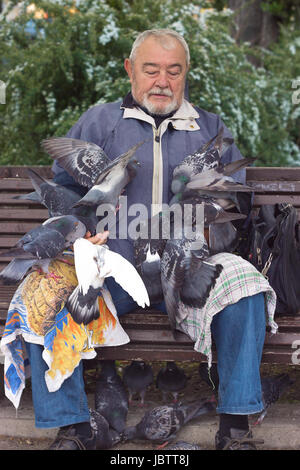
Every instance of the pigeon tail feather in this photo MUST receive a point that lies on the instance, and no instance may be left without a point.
(198, 285)
(83, 308)
(15, 271)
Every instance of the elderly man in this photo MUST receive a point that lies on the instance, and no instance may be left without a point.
(156, 111)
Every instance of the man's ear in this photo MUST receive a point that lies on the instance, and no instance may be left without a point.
(128, 68)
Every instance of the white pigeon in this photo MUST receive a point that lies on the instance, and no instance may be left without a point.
(93, 263)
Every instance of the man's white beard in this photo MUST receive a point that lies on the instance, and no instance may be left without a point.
(156, 109)
(153, 108)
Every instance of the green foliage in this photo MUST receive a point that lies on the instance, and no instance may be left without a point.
(287, 11)
(76, 61)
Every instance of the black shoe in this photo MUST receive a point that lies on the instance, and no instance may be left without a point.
(69, 439)
(239, 439)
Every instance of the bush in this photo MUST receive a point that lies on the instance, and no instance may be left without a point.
(75, 60)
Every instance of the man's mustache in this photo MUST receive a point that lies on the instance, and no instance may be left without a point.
(160, 91)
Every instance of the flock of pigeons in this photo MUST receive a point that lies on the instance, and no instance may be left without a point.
(161, 424)
(178, 259)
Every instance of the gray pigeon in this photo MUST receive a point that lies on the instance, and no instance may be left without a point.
(272, 389)
(205, 172)
(182, 445)
(162, 423)
(40, 245)
(93, 263)
(88, 164)
(106, 437)
(111, 397)
(187, 275)
(171, 379)
(206, 158)
(59, 200)
(148, 249)
(219, 178)
(223, 235)
(137, 377)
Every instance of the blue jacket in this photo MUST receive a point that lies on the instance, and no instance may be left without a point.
(116, 128)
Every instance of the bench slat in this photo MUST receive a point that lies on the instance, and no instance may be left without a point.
(17, 227)
(260, 199)
(275, 186)
(8, 200)
(19, 172)
(273, 173)
(14, 184)
(21, 214)
(8, 241)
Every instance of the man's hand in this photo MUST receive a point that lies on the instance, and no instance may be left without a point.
(98, 239)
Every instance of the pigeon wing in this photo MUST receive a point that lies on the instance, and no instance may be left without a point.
(82, 160)
(172, 277)
(16, 270)
(199, 281)
(121, 161)
(58, 199)
(83, 302)
(125, 274)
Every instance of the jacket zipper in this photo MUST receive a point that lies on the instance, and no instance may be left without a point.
(156, 186)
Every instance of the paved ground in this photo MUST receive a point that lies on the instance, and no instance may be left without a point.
(280, 429)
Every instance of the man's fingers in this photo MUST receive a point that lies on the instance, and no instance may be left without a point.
(99, 238)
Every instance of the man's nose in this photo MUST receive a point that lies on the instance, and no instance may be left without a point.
(162, 80)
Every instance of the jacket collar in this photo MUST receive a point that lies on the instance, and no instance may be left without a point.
(183, 119)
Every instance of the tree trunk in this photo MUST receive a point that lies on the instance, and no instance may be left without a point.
(252, 24)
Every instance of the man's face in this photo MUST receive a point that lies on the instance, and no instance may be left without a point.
(157, 75)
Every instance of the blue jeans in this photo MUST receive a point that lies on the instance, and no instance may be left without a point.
(239, 334)
(238, 331)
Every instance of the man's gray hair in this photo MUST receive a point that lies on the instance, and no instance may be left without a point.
(160, 35)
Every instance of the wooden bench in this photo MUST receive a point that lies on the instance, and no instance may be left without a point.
(149, 332)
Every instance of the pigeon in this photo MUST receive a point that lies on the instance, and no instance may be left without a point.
(203, 159)
(137, 377)
(106, 437)
(162, 423)
(93, 263)
(40, 245)
(205, 172)
(223, 235)
(88, 164)
(148, 249)
(157, 231)
(171, 378)
(187, 275)
(272, 389)
(149, 270)
(182, 445)
(219, 178)
(111, 398)
(59, 200)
